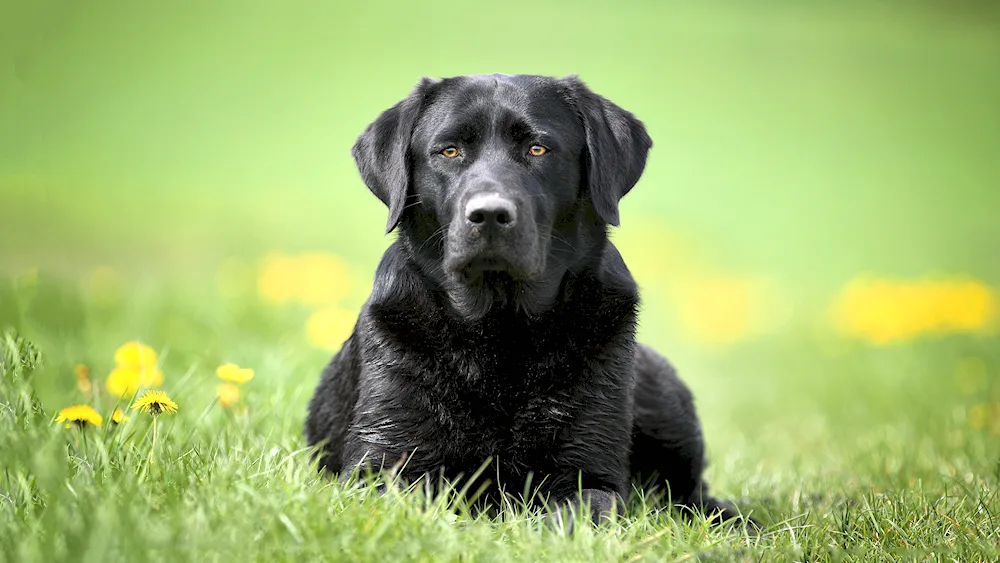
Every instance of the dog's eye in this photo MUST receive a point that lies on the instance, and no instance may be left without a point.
(537, 150)
(450, 152)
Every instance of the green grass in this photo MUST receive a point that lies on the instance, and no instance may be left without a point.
(846, 453)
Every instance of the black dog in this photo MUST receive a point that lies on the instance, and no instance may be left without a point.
(501, 325)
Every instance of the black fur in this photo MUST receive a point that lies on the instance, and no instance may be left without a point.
(511, 340)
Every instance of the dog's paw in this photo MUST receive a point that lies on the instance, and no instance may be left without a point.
(603, 507)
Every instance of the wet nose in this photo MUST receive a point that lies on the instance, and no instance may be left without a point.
(491, 211)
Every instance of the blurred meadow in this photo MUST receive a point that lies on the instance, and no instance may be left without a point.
(815, 235)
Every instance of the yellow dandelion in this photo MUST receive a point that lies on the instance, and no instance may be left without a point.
(125, 381)
(81, 415)
(136, 367)
(119, 417)
(312, 278)
(81, 371)
(155, 402)
(322, 278)
(136, 355)
(329, 327)
(234, 373)
(723, 309)
(884, 311)
(276, 279)
(654, 252)
(83, 382)
(228, 394)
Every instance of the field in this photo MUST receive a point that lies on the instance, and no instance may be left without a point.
(815, 237)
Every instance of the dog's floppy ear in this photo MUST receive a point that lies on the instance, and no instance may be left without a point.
(617, 145)
(382, 152)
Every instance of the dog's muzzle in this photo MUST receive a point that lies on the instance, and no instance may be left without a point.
(492, 232)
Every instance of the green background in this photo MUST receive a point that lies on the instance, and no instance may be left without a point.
(812, 140)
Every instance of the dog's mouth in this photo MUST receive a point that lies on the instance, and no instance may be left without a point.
(476, 267)
(467, 264)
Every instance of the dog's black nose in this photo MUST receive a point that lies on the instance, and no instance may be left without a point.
(491, 210)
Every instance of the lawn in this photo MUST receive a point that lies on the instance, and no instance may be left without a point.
(846, 452)
(815, 238)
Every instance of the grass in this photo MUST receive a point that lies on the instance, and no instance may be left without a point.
(848, 453)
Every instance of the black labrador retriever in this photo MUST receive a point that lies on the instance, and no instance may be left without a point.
(501, 325)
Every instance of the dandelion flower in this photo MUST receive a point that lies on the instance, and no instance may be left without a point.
(228, 394)
(81, 415)
(136, 368)
(884, 311)
(155, 403)
(329, 327)
(83, 382)
(118, 417)
(125, 381)
(312, 278)
(276, 281)
(135, 354)
(234, 374)
(322, 278)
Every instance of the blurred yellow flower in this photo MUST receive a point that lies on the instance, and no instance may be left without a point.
(125, 381)
(883, 311)
(118, 417)
(655, 253)
(83, 382)
(228, 394)
(135, 354)
(718, 310)
(722, 309)
(324, 279)
(81, 415)
(276, 279)
(312, 278)
(136, 369)
(234, 373)
(329, 327)
(155, 402)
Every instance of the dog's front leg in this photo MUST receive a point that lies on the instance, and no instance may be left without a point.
(601, 505)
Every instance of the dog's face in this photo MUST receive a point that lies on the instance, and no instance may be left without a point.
(500, 184)
(498, 161)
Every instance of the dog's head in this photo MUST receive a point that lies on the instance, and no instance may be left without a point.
(501, 184)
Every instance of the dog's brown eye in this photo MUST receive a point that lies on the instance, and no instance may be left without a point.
(537, 150)
(450, 152)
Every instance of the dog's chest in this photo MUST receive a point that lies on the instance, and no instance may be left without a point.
(507, 390)
(512, 399)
